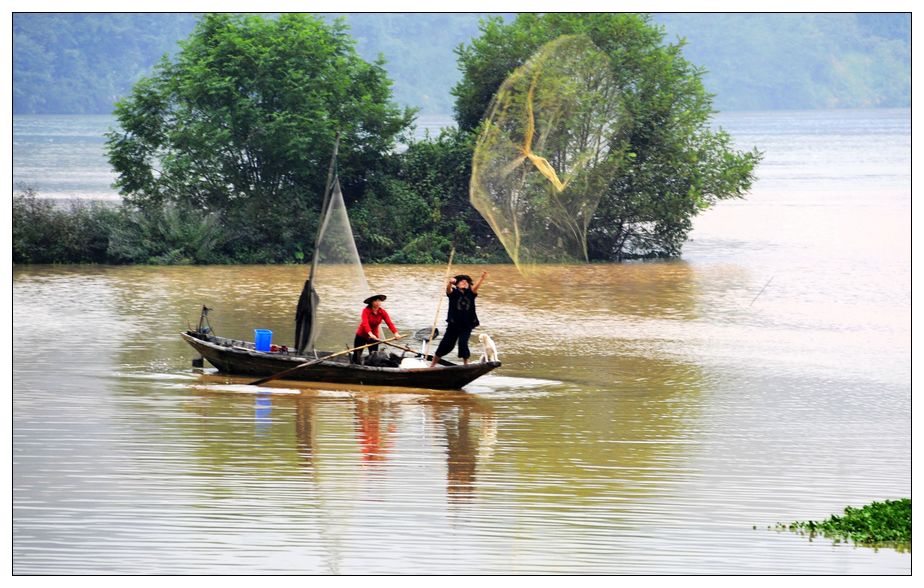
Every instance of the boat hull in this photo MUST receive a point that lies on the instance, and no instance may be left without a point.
(239, 357)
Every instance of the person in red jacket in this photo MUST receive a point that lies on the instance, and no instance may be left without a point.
(369, 327)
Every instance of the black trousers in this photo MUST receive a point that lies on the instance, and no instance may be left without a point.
(360, 340)
(453, 334)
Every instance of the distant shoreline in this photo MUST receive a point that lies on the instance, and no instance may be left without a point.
(65, 160)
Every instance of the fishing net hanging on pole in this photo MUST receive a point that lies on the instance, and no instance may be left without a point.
(332, 297)
(546, 152)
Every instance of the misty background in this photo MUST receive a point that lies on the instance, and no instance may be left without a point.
(83, 63)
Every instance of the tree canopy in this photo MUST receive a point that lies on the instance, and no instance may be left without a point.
(242, 121)
(673, 165)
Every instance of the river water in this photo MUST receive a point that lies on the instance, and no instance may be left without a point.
(649, 418)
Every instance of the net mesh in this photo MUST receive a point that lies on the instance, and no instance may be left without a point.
(546, 152)
(338, 279)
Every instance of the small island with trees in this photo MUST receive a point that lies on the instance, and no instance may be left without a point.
(220, 153)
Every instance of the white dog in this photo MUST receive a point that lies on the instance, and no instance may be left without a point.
(490, 349)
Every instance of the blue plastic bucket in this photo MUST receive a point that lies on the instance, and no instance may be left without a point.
(262, 339)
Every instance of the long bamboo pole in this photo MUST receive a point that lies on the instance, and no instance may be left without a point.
(440, 301)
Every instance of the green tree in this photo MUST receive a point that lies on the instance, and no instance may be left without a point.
(48, 232)
(241, 123)
(165, 236)
(675, 165)
(419, 209)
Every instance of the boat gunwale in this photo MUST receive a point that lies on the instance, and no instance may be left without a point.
(192, 338)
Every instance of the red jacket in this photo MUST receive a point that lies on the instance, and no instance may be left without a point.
(372, 320)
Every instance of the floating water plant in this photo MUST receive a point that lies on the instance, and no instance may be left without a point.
(879, 522)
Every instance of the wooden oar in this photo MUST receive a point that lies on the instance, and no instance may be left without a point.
(403, 347)
(418, 353)
(315, 361)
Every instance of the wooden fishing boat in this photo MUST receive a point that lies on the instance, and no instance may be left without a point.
(241, 357)
(335, 237)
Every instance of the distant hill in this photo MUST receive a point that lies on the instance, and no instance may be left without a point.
(799, 61)
(82, 63)
(418, 51)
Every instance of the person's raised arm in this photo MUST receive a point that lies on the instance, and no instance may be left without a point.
(449, 285)
(478, 283)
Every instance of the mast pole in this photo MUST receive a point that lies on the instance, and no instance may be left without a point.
(439, 301)
(305, 310)
(328, 187)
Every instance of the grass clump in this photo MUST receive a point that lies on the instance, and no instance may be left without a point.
(880, 522)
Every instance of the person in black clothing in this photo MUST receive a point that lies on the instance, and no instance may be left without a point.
(461, 317)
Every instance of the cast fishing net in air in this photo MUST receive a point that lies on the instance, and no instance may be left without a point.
(546, 152)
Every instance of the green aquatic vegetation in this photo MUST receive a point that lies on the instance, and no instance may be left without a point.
(879, 522)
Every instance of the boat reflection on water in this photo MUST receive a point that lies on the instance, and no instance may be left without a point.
(305, 431)
(374, 436)
(373, 423)
(470, 430)
(263, 409)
